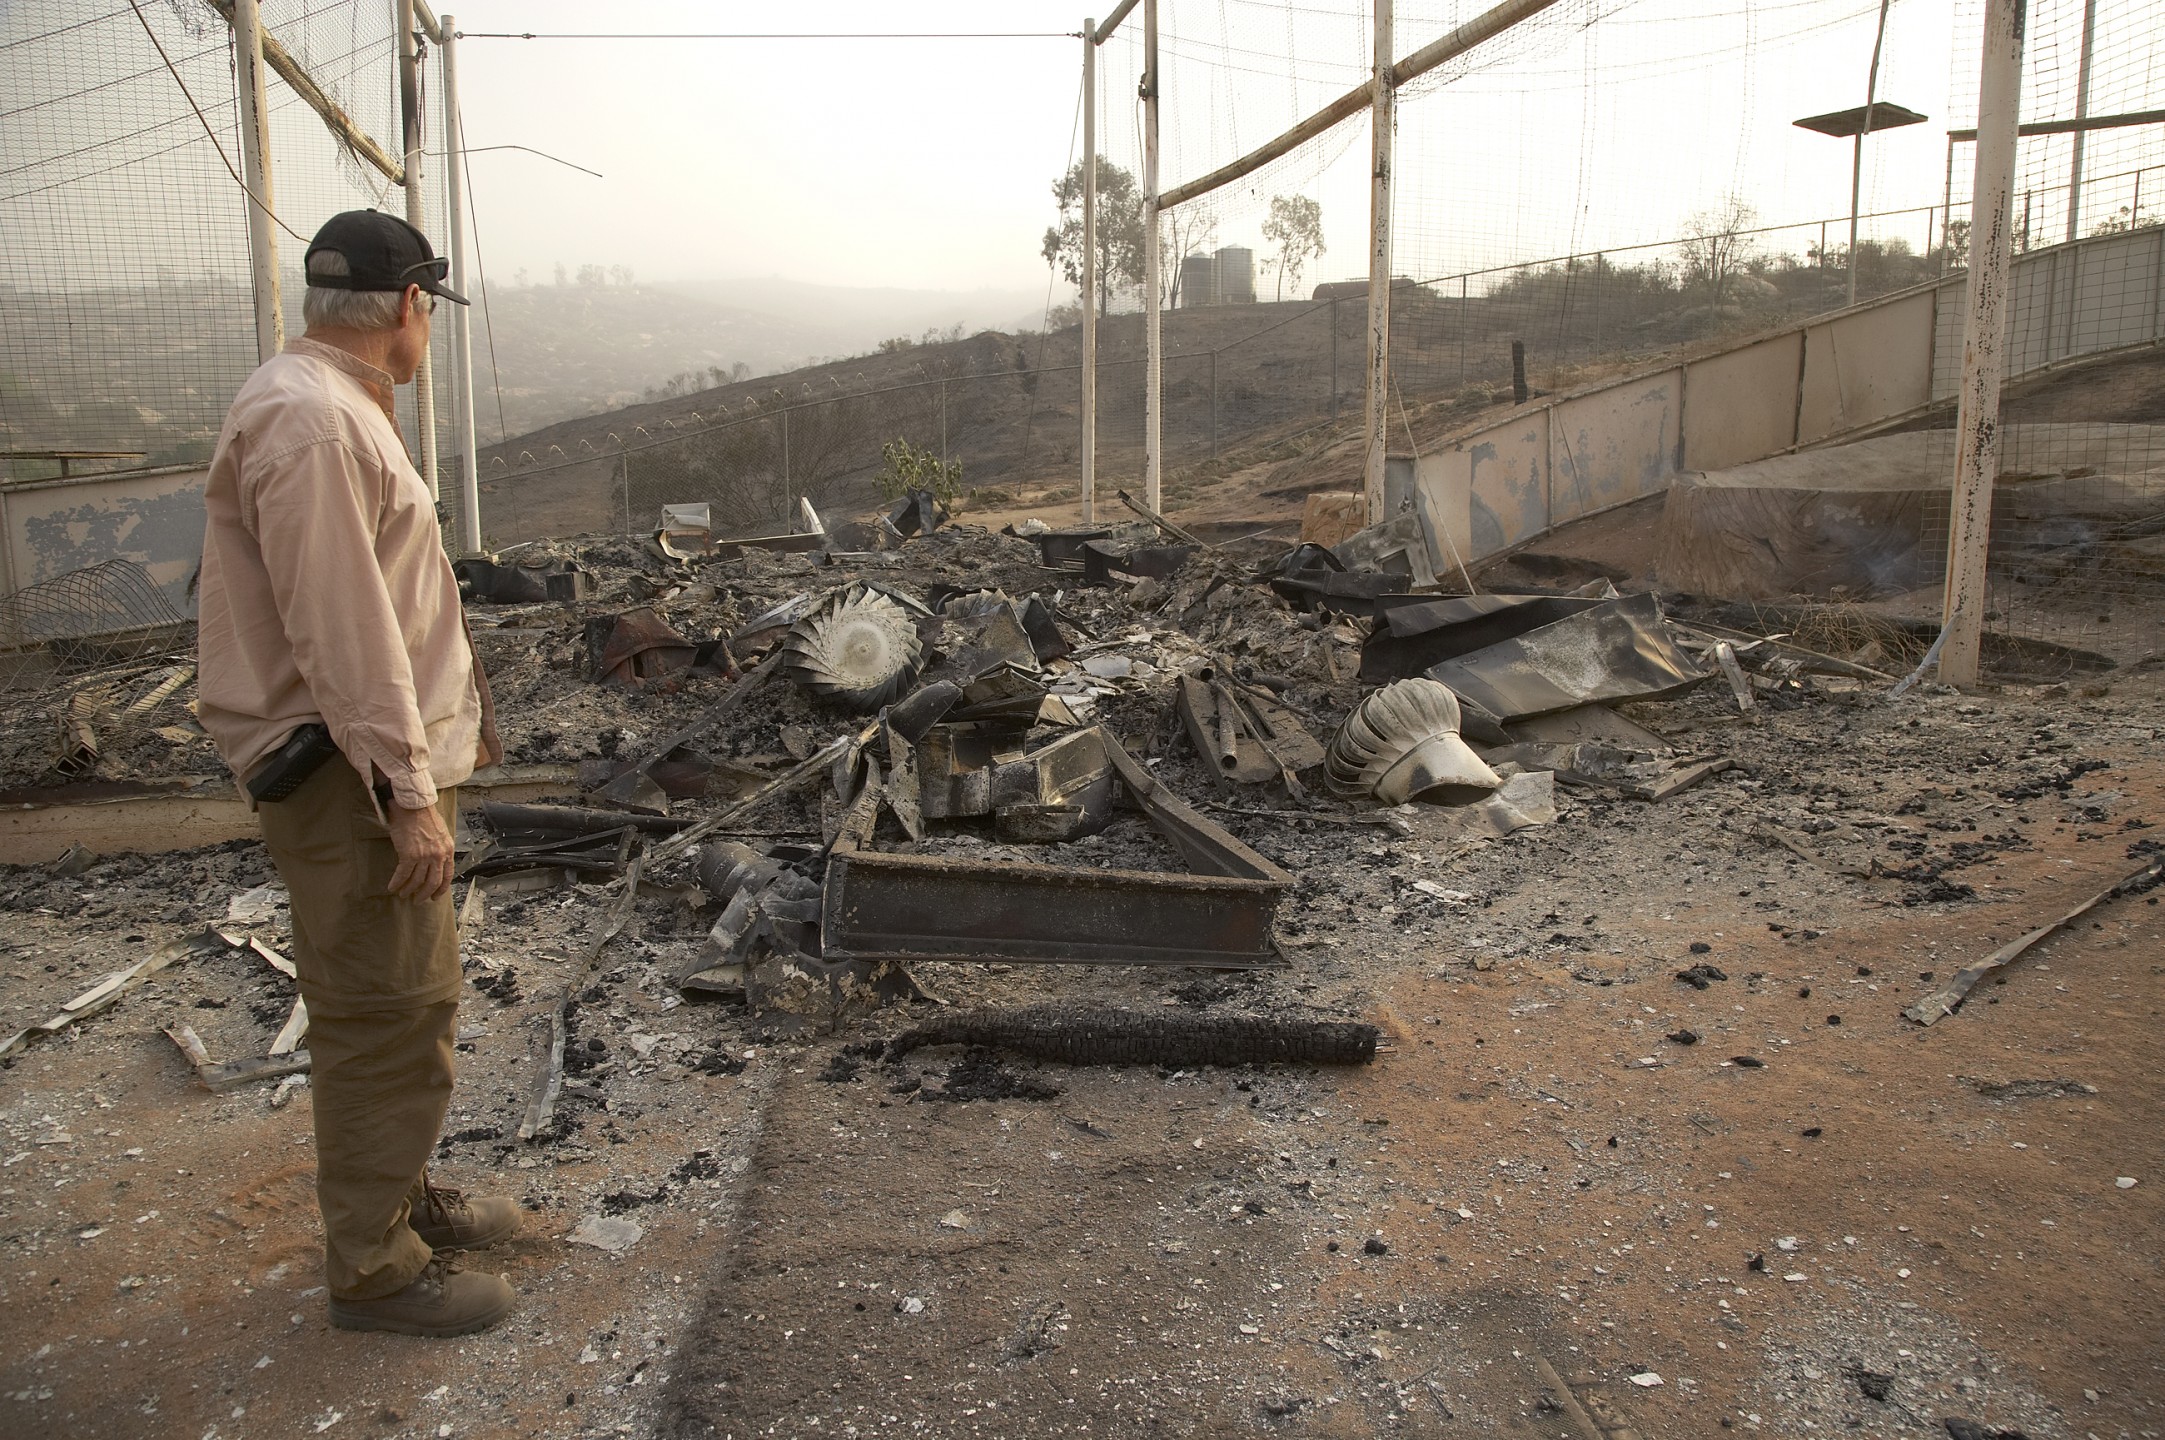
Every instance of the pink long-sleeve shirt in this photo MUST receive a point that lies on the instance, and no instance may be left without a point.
(325, 591)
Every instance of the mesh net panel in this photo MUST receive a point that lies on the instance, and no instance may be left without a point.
(124, 264)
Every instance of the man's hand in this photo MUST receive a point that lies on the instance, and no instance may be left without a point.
(425, 853)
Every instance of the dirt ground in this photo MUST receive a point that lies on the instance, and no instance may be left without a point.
(1560, 1180)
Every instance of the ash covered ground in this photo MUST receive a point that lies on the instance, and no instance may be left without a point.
(1563, 1169)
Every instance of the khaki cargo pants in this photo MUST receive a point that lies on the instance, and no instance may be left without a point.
(381, 979)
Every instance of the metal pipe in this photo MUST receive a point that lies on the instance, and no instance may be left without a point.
(1449, 47)
(1382, 122)
(1947, 210)
(1984, 342)
(2082, 112)
(304, 85)
(1856, 158)
(1089, 404)
(1104, 32)
(256, 172)
(462, 319)
(2077, 127)
(410, 139)
(1153, 263)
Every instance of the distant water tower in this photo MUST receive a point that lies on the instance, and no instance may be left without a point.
(1198, 281)
(1235, 266)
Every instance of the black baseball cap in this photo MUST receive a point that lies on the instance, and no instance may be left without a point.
(383, 253)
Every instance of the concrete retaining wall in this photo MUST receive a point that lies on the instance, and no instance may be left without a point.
(1565, 457)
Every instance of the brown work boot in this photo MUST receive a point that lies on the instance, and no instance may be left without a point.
(446, 1220)
(442, 1301)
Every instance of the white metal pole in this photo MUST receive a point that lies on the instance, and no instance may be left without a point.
(1984, 341)
(2082, 112)
(1947, 211)
(409, 92)
(1090, 276)
(1382, 119)
(1856, 158)
(1153, 337)
(256, 170)
(462, 319)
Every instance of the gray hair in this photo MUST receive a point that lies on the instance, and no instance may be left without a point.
(325, 308)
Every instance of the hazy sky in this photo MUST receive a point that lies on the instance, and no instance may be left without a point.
(926, 163)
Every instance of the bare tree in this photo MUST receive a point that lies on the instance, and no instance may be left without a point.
(1716, 250)
(1188, 231)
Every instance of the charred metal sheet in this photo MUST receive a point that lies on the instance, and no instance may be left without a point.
(1619, 650)
(630, 649)
(1039, 622)
(1416, 632)
(1055, 794)
(1157, 562)
(494, 584)
(979, 632)
(813, 536)
(1059, 792)
(1063, 549)
(916, 513)
(924, 907)
(1398, 546)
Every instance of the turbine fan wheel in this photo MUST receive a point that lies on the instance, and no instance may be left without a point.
(857, 647)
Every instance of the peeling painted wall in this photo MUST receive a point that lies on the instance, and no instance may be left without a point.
(1563, 458)
(153, 517)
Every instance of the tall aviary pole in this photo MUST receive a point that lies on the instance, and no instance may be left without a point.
(1856, 154)
(2082, 112)
(256, 173)
(462, 316)
(1984, 341)
(1153, 338)
(1382, 118)
(1090, 274)
(409, 98)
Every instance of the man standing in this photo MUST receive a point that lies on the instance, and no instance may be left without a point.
(340, 685)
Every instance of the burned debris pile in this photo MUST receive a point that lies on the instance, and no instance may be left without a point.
(838, 765)
(939, 750)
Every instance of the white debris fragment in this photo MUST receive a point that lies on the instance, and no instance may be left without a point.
(1437, 892)
(613, 1233)
(955, 1220)
(2125, 1182)
(253, 907)
(1646, 1379)
(1787, 1244)
(911, 1305)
